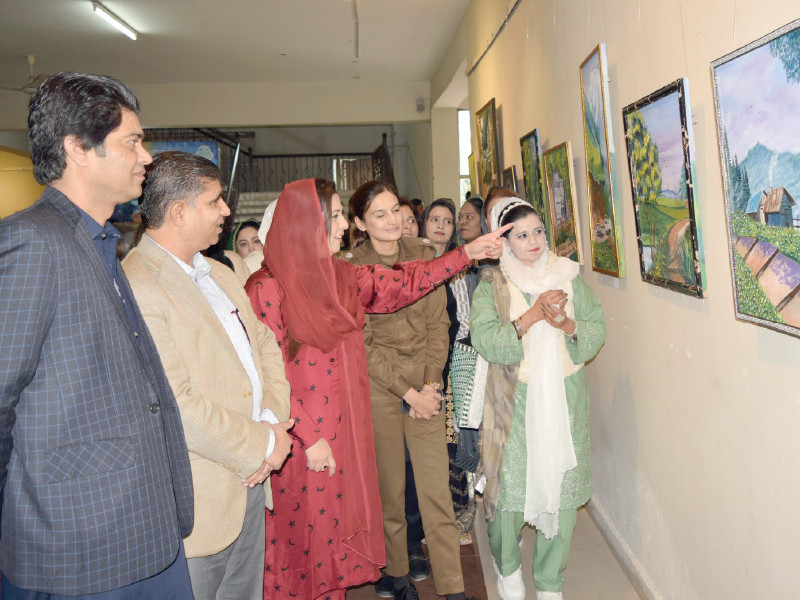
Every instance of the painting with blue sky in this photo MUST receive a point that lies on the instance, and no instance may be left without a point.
(598, 141)
(757, 100)
(658, 138)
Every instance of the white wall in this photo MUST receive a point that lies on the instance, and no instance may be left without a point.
(411, 153)
(445, 159)
(695, 416)
(319, 139)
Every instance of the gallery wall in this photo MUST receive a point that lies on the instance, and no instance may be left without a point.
(695, 416)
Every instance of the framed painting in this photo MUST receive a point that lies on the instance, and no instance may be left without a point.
(560, 184)
(757, 100)
(598, 142)
(473, 186)
(509, 178)
(488, 162)
(532, 175)
(658, 137)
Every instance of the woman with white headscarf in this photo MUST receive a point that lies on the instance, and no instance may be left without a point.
(536, 322)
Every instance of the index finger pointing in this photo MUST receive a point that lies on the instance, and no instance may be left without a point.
(498, 232)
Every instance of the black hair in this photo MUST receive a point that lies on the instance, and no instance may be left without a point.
(515, 213)
(86, 106)
(449, 205)
(172, 177)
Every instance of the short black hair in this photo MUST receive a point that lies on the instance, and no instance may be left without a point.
(173, 177)
(86, 106)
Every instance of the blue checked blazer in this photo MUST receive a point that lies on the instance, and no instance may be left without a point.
(97, 488)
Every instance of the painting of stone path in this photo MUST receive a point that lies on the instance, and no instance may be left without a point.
(658, 139)
(757, 100)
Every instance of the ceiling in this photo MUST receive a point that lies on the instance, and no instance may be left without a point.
(233, 41)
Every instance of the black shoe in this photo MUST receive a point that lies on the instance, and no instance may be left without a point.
(384, 588)
(419, 567)
(407, 593)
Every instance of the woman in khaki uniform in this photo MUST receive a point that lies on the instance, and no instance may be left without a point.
(406, 352)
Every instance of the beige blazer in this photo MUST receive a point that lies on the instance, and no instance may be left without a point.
(213, 390)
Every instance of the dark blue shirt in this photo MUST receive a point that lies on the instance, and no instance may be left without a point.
(105, 239)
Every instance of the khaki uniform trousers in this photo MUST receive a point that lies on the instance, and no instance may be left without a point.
(427, 447)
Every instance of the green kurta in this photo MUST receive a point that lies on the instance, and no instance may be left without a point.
(497, 342)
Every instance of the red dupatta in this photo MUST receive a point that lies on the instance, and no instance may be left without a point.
(320, 305)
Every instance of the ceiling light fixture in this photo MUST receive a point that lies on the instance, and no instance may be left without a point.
(112, 19)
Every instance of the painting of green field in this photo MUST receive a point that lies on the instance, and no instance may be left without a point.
(533, 177)
(560, 184)
(488, 148)
(757, 100)
(656, 134)
(598, 144)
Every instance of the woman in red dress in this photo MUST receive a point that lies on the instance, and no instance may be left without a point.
(325, 532)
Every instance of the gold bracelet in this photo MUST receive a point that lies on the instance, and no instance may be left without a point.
(434, 384)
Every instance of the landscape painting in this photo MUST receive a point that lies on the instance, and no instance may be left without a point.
(488, 149)
(600, 165)
(533, 177)
(658, 137)
(560, 184)
(757, 100)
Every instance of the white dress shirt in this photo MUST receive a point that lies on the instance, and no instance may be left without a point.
(228, 315)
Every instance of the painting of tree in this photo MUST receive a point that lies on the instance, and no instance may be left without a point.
(757, 97)
(659, 147)
(533, 177)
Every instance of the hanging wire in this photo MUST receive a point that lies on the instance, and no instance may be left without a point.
(494, 37)
(683, 35)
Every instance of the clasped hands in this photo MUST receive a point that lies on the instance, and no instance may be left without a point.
(549, 306)
(283, 445)
(425, 403)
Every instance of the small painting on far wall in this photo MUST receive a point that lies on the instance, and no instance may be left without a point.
(488, 162)
(532, 175)
(509, 178)
(472, 182)
(560, 184)
(757, 101)
(598, 141)
(660, 146)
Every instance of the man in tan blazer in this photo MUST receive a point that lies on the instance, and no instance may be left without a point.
(224, 367)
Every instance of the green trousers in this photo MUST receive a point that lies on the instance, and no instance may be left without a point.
(549, 556)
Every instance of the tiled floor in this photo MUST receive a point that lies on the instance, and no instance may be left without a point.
(592, 574)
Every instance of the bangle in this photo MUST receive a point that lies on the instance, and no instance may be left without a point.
(520, 328)
(434, 384)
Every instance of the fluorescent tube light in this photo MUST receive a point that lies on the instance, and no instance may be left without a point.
(108, 16)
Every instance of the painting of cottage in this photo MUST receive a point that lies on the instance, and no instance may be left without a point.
(773, 207)
(659, 143)
(757, 100)
(559, 181)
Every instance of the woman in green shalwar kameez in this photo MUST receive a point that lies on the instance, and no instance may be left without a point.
(536, 322)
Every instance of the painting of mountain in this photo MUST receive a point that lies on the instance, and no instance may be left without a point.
(757, 98)
(600, 165)
(658, 139)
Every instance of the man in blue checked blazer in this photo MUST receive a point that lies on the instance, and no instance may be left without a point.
(94, 470)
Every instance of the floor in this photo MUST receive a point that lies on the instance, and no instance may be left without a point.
(593, 572)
